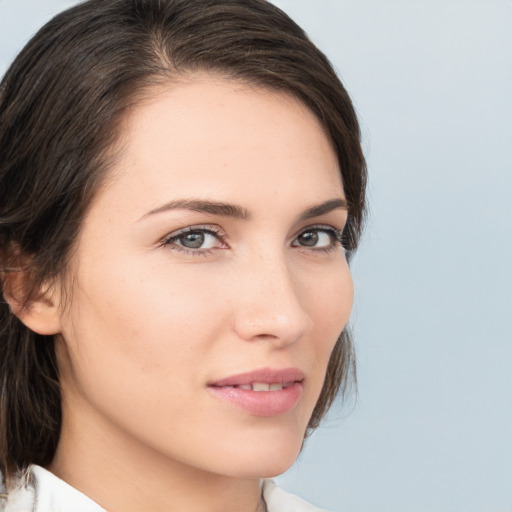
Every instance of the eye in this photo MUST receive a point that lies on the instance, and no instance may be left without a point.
(196, 239)
(318, 237)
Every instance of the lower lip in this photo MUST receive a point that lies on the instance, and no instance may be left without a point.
(261, 403)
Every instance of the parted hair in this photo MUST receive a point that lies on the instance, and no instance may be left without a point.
(62, 103)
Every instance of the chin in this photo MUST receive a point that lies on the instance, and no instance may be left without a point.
(259, 469)
(265, 459)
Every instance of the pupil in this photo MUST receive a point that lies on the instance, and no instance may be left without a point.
(310, 239)
(193, 240)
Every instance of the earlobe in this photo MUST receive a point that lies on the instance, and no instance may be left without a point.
(40, 312)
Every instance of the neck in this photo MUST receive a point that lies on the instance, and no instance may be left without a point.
(122, 474)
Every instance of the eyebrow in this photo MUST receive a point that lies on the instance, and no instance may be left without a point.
(204, 206)
(323, 208)
(239, 212)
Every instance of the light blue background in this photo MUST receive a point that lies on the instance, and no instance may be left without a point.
(432, 81)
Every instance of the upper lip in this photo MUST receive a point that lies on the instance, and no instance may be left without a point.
(264, 375)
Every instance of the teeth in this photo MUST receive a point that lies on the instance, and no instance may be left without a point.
(260, 386)
(263, 386)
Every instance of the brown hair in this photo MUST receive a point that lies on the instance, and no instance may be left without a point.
(61, 103)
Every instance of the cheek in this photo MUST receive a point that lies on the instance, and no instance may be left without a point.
(137, 345)
(329, 297)
(148, 333)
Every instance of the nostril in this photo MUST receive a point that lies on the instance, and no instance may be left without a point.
(266, 336)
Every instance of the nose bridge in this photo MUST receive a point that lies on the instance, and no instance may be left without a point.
(270, 305)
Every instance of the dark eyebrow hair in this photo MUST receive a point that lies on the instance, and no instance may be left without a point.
(323, 208)
(204, 206)
(239, 212)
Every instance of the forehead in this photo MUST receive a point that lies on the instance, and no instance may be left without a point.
(208, 136)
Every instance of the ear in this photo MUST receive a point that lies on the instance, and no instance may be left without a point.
(40, 311)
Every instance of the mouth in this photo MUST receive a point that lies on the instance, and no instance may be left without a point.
(263, 386)
(263, 392)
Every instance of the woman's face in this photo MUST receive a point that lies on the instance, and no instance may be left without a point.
(208, 287)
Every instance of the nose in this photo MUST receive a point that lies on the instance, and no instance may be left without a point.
(268, 305)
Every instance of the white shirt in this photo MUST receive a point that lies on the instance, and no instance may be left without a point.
(44, 492)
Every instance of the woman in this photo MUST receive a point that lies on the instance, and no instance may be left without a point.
(180, 181)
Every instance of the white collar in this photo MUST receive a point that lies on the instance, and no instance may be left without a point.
(42, 491)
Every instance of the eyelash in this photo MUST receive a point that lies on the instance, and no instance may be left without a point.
(337, 239)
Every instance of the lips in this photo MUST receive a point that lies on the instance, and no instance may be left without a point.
(264, 376)
(263, 392)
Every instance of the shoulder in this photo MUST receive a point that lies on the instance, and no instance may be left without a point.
(21, 494)
(278, 500)
(3, 495)
(38, 490)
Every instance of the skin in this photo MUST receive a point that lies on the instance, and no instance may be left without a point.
(149, 324)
